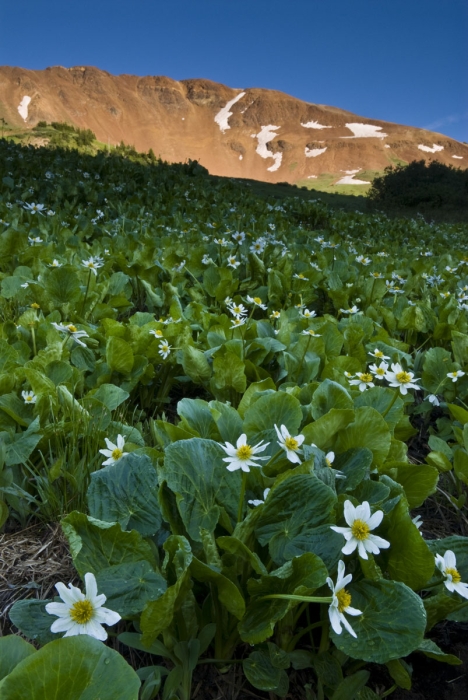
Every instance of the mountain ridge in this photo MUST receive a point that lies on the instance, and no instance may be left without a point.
(239, 132)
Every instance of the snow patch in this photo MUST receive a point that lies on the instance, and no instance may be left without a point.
(309, 177)
(264, 136)
(315, 125)
(458, 157)
(222, 118)
(349, 179)
(23, 107)
(365, 131)
(428, 149)
(387, 146)
(314, 152)
(241, 156)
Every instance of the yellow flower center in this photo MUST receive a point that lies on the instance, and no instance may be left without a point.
(360, 530)
(378, 353)
(117, 453)
(291, 443)
(72, 328)
(29, 398)
(90, 264)
(301, 276)
(456, 578)
(158, 334)
(244, 452)
(380, 371)
(327, 462)
(34, 305)
(365, 377)
(453, 374)
(344, 600)
(82, 612)
(403, 377)
(257, 300)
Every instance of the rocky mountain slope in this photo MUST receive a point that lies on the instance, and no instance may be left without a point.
(255, 133)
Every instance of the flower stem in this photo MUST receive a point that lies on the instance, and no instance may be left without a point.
(390, 406)
(240, 510)
(86, 293)
(302, 598)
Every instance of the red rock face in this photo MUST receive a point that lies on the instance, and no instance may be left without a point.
(254, 133)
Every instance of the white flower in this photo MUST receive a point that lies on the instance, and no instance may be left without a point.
(164, 349)
(29, 397)
(113, 452)
(206, 260)
(378, 354)
(311, 332)
(236, 322)
(363, 381)
(275, 314)
(380, 371)
(353, 310)
(448, 566)
(232, 262)
(417, 521)
(341, 602)
(35, 241)
(34, 208)
(432, 398)
(55, 263)
(239, 236)
(257, 301)
(258, 246)
(258, 501)
(156, 333)
(73, 331)
(307, 314)
(300, 276)
(398, 377)
(329, 458)
(81, 613)
(291, 445)
(357, 535)
(455, 375)
(93, 264)
(237, 310)
(242, 456)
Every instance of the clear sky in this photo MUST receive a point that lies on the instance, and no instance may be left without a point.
(404, 61)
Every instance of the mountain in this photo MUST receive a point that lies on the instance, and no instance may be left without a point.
(253, 132)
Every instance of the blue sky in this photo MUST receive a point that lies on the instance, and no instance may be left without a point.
(404, 61)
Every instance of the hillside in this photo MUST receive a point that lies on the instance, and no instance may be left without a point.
(250, 133)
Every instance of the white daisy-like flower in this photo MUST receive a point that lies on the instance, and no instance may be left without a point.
(29, 397)
(93, 264)
(358, 533)
(81, 613)
(378, 354)
(398, 377)
(305, 313)
(454, 376)
(34, 208)
(55, 263)
(352, 310)
(206, 260)
(233, 262)
(164, 349)
(448, 567)
(236, 322)
(239, 236)
(258, 246)
(257, 301)
(243, 456)
(113, 452)
(363, 380)
(73, 331)
(237, 310)
(432, 398)
(341, 602)
(380, 371)
(291, 445)
(36, 240)
(275, 314)
(258, 501)
(300, 276)
(157, 333)
(311, 332)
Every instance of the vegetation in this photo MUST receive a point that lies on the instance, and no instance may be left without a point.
(234, 407)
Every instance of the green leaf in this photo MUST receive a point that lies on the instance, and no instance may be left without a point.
(228, 593)
(194, 470)
(72, 668)
(33, 620)
(19, 447)
(418, 480)
(430, 649)
(329, 395)
(13, 649)
(239, 549)
(322, 433)
(391, 626)
(62, 284)
(95, 545)
(437, 363)
(266, 412)
(261, 673)
(399, 673)
(129, 587)
(291, 515)
(256, 387)
(158, 614)
(110, 395)
(228, 373)
(195, 364)
(126, 492)
(355, 465)
(351, 685)
(228, 421)
(301, 576)
(369, 430)
(196, 413)
(119, 355)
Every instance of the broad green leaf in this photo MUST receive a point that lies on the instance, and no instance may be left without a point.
(301, 576)
(460, 465)
(61, 284)
(228, 593)
(228, 373)
(391, 626)
(369, 430)
(33, 620)
(381, 399)
(418, 480)
(72, 668)
(119, 355)
(228, 421)
(16, 409)
(351, 685)
(194, 470)
(195, 364)
(355, 465)
(13, 649)
(129, 587)
(329, 395)
(322, 433)
(19, 447)
(294, 509)
(111, 396)
(266, 412)
(437, 363)
(126, 492)
(430, 649)
(239, 549)
(261, 673)
(96, 545)
(196, 413)
(256, 387)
